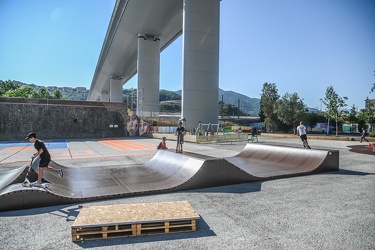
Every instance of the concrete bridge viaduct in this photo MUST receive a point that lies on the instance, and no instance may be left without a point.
(138, 32)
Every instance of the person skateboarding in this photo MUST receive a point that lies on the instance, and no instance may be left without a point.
(45, 158)
(363, 135)
(301, 131)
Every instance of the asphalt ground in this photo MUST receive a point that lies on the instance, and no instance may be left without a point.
(333, 210)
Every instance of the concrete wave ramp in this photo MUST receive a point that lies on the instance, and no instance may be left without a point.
(166, 172)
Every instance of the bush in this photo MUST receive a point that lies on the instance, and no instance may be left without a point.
(372, 134)
(162, 121)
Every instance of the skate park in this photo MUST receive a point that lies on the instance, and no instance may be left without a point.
(321, 210)
(299, 208)
(165, 172)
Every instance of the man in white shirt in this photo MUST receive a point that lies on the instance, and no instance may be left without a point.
(301, 131)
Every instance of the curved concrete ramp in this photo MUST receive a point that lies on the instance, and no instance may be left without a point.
(18, 175)
(267, 161)
(7, 177)
(166, 172)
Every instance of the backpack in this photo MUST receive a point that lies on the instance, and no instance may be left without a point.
(159, 146)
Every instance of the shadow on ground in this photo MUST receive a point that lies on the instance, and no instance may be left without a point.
(361, 149)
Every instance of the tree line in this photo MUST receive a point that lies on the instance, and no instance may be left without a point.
(284, 113)
(13, 89)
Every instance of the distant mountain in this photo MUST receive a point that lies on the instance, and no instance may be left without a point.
(248, 105)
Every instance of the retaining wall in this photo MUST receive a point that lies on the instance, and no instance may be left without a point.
(60, 119)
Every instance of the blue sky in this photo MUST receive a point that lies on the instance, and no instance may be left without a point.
(302, 46)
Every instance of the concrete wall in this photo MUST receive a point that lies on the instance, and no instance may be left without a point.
(59, 119)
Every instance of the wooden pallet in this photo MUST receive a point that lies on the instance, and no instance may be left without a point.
(113, 221)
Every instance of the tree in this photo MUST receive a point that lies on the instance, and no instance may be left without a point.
(57, 94)
(370, 110)
(339, 112)
(43, 93)
(334, 104)
(311, 119)
(170, 107)
(368, 114)
(261, 115)
(352, 116)
(229, 110)
(268, 104)
(7, 85)
(25, 92)
(225, 109)
(166, 95)
(290, 109)
(327, 102)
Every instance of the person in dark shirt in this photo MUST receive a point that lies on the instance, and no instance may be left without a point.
(45, 158)
(363, 135)
(180, 132)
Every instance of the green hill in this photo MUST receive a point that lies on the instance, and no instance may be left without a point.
(248, 105)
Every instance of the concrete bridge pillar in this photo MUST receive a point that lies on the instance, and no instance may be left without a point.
(116, 89)
(104, 96)
(200, 75)
(148, 68)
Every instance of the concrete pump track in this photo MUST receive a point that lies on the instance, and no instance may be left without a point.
(165, 172)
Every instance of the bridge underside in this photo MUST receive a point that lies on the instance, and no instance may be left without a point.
(119, 52)
(138, 31)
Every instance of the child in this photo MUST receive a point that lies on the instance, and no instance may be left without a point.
(45, 158)
(163, 144)
(180, 132)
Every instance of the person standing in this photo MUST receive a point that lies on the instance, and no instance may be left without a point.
(363, 135)
(301, 131)
(180, 137)
(45, 158)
